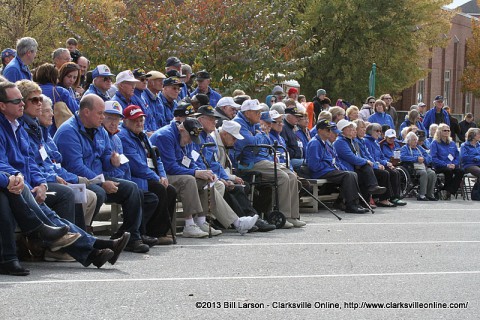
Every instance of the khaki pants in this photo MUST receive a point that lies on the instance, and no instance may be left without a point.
(195, 198)
(89, 207)
(288, 200)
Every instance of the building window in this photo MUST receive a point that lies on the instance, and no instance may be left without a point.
(446, 88)
(421, 91)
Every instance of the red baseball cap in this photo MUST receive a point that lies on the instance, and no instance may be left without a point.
(133, 112)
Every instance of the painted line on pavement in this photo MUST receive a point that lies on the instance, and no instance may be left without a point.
(392, 223)
(257, 277)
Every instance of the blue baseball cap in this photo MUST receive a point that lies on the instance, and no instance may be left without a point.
(9, 52)
(265, 116)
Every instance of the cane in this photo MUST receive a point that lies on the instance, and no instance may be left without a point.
(209, 215)
(323, 204)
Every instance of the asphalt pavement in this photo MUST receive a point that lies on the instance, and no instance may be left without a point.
(415, 262)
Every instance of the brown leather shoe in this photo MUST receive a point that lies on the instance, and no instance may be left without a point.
(164, 241)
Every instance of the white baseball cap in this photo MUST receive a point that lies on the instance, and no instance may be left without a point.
(342, 124)
(228, 101)
(275, 115)
(251, 105)
(390, 133)
(233, 128)
(113, 107)
(126, 75)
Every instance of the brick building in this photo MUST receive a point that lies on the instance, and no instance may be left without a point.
(447, 65)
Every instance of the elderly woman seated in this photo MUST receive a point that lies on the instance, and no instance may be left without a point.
(413, 154)
(373, 131)
(470, 152)
(446, 160)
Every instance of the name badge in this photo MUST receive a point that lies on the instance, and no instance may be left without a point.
(300, 144)
(123, 159)
(195, 155)
(215, 155)
(150, 163)
(450, 157)
(186, 162)
(43, 153)
(58, 165)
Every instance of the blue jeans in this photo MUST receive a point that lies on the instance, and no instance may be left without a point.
(128, 196)
(81, 248)
(13, 208)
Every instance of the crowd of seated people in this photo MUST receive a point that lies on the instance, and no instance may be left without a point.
(145, 140)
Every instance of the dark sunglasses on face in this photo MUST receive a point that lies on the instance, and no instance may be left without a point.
(36, 100)
(13, 101)
(106, 79)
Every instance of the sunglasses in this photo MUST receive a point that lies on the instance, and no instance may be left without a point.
(36, 100)
(106, 79)
(142, 79)
(446, 130)
(13, 101)
(378, 130)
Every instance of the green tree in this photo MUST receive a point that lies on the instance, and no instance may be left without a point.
(396, 35)
(471, 75)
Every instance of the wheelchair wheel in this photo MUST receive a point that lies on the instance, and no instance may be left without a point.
(405, 182)
(277, 218)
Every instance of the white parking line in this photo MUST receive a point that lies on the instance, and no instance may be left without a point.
(265, 244)
(257, 277)
(392, 223)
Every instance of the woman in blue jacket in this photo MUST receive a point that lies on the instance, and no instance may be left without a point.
(380, 116)
(413, 119)
(470, 152)
(413, 154)
(446, 160)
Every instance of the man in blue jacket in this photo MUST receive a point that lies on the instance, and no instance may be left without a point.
(146, 169)
(176, 145)
(16, 159)
(102, 82)
(152, 97)
(87, 152)
(203, 86)
(260, 160)
(168, 96)
(18, 69)
(323, 164)
(436, 114)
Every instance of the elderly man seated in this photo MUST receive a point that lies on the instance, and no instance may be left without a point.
(323, 162)
(350, 157)
(176, 145)
(261, 161)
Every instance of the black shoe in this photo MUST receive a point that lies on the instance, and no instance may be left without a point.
(422, 198)
(377, 190)
(355, 210)
(137, 246)
(101, 257)
(253, 229)
(431, 198)
(118, 246)
(149, 241)
(264, 226)
(398, 202)
(48, 233)
(13, 268)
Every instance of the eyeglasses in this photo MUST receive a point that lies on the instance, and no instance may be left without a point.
(378, 130)
(142, 79)
(275, 122)
(106, 79)
(387, 98)
(36, 100)
(371, 102)
(13, 101)
(446, 130)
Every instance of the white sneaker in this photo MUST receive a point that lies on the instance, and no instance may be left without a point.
(246, 223)
(193, 231)
(57, 256)
(297, 223)
(287, 225)
(204, 227)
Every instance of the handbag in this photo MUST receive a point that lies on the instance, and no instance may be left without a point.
(61, 112)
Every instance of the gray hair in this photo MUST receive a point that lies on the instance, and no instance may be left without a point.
(373, 127)
(279, 107)
(433, 128)
(186, 69)
(24, 45)
(411, 136)
(57, 52)
(47, 100)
